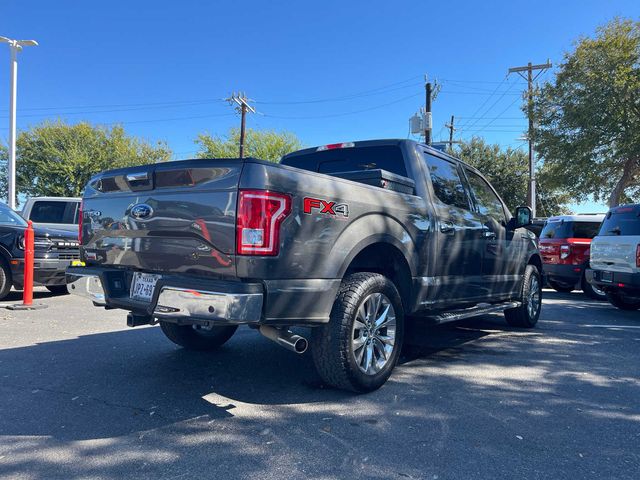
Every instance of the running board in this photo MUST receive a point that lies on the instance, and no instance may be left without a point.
(480, 309)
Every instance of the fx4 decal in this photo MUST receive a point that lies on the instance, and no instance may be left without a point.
(325, 207)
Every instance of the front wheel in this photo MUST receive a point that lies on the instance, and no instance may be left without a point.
(527, 314)
(623, 302)
(5, 279)
(196, 337)
(359, 347)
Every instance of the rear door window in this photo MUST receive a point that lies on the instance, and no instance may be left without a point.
(447, 183)
(622, 221)
(48, 211)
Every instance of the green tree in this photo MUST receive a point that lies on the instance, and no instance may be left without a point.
(588, 118)
(263, 144)
(58, 159)
(508, 172)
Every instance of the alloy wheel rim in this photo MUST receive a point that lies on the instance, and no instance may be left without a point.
(374, 333)
(533, 302)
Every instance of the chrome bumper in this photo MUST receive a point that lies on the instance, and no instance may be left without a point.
(183, 303)
(234, 308)
(87, 286)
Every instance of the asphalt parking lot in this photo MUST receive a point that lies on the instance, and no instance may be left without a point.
(83, 396)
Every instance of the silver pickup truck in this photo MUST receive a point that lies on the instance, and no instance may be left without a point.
(353, 240)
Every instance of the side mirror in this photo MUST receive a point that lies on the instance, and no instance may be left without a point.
(524, 217)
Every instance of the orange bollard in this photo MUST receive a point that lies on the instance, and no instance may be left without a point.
(27, 296)
(29, 253)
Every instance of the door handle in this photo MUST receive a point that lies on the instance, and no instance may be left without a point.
(447, 227)
(488, 234)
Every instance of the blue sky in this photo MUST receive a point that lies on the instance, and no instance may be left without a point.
(327, 71)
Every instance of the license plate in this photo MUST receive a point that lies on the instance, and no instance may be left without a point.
(606, 277)
(143, 285)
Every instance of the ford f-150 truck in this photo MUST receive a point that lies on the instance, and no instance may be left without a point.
(353, 240)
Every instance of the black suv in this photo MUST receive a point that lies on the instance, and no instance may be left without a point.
(54, 252)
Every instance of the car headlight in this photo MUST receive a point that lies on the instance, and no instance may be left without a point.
(21, 243)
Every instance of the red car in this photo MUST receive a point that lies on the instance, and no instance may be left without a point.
(565, 244)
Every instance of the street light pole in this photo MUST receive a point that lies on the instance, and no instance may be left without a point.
(15, 46)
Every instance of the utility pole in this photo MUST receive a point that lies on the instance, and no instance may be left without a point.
(427, 113)
(15, 46)
(451, 130)
(530, 78)
(242, 107)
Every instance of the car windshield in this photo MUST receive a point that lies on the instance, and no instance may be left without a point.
(570, 229)
(9, 217)
(622, 221)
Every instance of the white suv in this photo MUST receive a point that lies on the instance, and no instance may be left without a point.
(615, 257)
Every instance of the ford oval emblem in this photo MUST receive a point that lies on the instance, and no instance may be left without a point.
(141, 211)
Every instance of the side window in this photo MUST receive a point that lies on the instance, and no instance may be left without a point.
(447, 183)
(487, 201)
(53, 212)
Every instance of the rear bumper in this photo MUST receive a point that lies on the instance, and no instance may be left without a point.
(567, 274)
(46, 271)
(197, 300)
(177, 299)
(619, 280)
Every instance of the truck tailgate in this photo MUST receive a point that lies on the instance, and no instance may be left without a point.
(171, 217)
(615, 253)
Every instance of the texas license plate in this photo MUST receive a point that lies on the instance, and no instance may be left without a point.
(606, 277)
(143, 285)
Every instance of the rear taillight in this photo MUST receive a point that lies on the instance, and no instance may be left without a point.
(638, 255)
(565, 251)
(80, 224)
(260, 214)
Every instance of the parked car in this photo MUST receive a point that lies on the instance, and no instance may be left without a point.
(565, 243)
(54, 251)
(60, 213)
(615, 257)
(350, 239)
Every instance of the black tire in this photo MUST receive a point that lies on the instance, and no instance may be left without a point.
(332, 345)
(591, 292)
(193, 337)
(621, 301)
(560, 287)
(524, 316)
(5, 279)
(57, 289)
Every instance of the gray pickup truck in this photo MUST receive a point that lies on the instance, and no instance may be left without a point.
(353, 240)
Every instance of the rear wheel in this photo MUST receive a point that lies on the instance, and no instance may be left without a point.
(527, 314)
(359, 347)
(196, 337)
(57, 289)
(5, 279)
(560, 287)
(622, 301)
(592, 291)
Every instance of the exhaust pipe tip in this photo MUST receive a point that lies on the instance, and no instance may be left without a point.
(285, 338)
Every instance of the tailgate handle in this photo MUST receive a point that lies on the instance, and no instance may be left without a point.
(137, 177)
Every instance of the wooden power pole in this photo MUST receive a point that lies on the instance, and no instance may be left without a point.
(427, 114)
(530, 78)
(451, 130)
(242, 107)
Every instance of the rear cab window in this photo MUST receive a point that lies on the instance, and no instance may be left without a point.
(569, 229)
(447, 183)
(623, 220)
(51, 211)
(383, 157)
